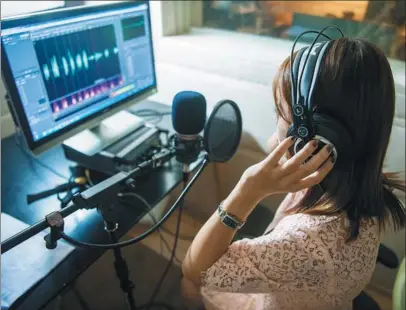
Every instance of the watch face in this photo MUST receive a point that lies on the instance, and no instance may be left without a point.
(229, 222)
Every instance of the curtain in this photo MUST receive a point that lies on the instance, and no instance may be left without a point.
(178, 17)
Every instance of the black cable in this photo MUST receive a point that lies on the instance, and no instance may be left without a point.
(169, 265)
(149, 209)
(162, 228)
(37, 161)
(21, 147)
(121, 267)
(154, 114)
(68, 196)
(142, 112)
(145, 234)
(163, 240)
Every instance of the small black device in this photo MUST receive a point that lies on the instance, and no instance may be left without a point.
(308, 124)
(121, 155)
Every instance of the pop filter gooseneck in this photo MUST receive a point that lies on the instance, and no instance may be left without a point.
(222, 133)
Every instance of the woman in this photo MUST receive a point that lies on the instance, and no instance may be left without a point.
(321, 248)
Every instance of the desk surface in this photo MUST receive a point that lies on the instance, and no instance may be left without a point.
(21, 175)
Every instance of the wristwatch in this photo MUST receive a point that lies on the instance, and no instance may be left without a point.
(229, 220)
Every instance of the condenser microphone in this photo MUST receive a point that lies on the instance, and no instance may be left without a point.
(188, 120)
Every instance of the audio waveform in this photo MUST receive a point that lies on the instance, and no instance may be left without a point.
(84, 95)
(70, 64)
(75, 61)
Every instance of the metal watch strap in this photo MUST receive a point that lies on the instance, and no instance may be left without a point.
(229, 220)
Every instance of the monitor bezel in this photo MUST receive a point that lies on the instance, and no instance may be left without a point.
(15, 104)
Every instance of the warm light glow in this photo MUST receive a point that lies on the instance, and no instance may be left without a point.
(283, 10)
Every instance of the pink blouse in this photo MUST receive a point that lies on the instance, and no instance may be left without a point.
(304, 263)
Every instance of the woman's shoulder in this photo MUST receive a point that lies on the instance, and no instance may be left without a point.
(306, 221)
(299, 226)
(320, 225)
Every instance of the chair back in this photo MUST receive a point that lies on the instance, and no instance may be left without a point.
(398, 297)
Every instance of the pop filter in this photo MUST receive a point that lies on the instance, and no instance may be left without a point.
(222, 133)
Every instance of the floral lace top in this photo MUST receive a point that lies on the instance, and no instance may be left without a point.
(304, 263)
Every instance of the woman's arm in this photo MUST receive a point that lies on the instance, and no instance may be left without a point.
(214, 237)
(263, 179)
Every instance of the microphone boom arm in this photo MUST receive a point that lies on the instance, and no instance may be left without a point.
(89, 199)
(93, 197)
(35, 229)
(149, 231)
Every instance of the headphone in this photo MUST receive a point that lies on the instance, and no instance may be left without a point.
(307, 123)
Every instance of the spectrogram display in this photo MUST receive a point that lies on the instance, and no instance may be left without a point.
(133, 27)
(75, 61)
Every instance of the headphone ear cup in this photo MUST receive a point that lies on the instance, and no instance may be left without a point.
(334, 132)
(298, 145)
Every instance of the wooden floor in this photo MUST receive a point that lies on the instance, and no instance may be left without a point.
(189, 228)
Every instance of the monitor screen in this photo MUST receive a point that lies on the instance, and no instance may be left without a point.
(66, 67)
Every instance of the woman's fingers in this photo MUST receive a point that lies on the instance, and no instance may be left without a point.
(310, 167)
(273, 158)
(296, 161)
(314, 178)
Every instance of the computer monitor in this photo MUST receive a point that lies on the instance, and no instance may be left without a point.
(66, 70)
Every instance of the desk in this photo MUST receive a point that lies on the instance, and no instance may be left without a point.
(21, 176)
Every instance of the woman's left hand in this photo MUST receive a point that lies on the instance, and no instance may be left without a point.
(271, 177)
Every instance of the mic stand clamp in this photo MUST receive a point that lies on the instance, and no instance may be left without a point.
(56, 224)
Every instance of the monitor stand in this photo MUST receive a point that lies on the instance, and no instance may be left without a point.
(112, 129)
(122, 135)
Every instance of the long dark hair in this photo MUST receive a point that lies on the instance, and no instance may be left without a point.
(356, 87)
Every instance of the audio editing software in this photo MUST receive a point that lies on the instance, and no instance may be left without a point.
(68, 69)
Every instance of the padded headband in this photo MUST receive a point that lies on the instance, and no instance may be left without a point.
(304, 75)
(305, 71)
